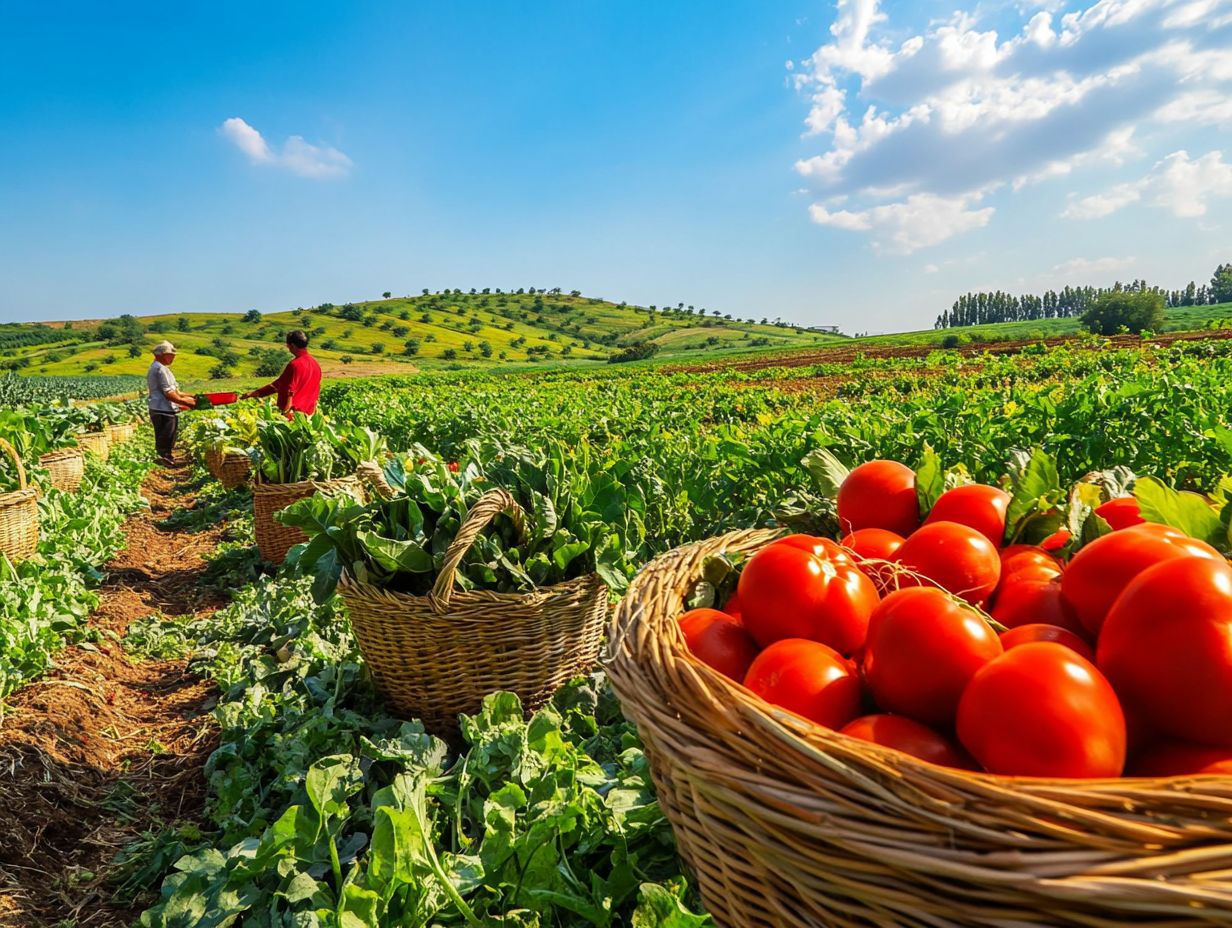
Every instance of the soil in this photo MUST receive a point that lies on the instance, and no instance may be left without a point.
(847, 352)
(103, 749)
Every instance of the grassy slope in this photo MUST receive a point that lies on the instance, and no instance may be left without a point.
(591, 330)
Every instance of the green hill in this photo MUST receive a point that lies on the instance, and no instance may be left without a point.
(394, 335)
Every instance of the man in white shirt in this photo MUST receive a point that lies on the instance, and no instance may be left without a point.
(165, 402)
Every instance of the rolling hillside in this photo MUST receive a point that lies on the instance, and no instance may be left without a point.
(393, 335)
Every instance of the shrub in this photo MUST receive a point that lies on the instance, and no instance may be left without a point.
(635, 352)
(1117, 309)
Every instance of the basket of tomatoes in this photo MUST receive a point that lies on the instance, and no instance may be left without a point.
(933, 719)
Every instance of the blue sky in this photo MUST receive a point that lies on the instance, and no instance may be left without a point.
(857, 164)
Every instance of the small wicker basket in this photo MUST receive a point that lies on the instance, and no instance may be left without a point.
(230, 468)
(19, 528)
(439, 655)
(274, 539)
(97, 443)
(117, 433)
(65, 468)
(786, 823)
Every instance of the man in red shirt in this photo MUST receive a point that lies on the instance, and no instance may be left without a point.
(299, 384)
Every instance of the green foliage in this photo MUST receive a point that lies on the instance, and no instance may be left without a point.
(636, 352)
(1118, 310)
(310, 447)
(270, 362)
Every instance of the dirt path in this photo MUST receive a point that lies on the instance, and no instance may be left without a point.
(103, 749)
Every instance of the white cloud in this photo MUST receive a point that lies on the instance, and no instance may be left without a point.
(919, 221)
(297, 156)
(1179, 184)
(959, 109)
(1083, 268)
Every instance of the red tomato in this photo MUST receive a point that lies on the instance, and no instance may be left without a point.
(717, 639)
(879, 494)
(1178, 759)
(903, 734)
(1167, 648)
(786, 592)
(809, 679)
(1040, 710)
(821, 547)
(976, 506)
(733, 608)
(1058, 539)
(923, 646)
(876, 543)
(1025, 634)
(1027, 557)
(1120, 513)
(1099, 572)
(954, 557)
(1024, 599)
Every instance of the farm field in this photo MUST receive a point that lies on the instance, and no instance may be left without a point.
(238, 765)
(427, 331)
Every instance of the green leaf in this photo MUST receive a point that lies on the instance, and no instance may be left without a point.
(396, 556)
(1035, 492)
(929, 479)
(827, 470)
(660, 908)
(1183, 510)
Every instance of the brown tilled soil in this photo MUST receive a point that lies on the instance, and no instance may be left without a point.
(843, 353)
(102, 748)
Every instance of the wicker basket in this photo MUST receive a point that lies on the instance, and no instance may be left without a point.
(18, 514)
(117, 434)
(230, 468)
(786, 823)
(65, 468)
(439, 655)
(97, 443)
(274, 539)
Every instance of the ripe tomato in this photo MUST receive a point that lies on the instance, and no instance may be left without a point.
(1028, 557)
(954, 557)
(879, 494)
(1178, 759)
(1025, 634)
(1099, 572)
(1120, 513)
(786, 592)
(733, 608)
(1058, 539)
(903, 734)
(821, 547)
(876, 543)
(923, 646)
(1167, 648)
(976, 506)
(809, 679)
(717, 639)
(1040, 710)
(1024, 599)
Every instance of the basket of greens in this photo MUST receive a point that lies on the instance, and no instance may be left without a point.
(298, 458)
(456, 589)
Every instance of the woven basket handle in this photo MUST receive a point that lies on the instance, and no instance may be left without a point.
(490, 505)
(371, 472)
(21, 471)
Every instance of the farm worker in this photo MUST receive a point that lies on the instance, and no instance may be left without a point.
(165, 402)
(299, 384)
